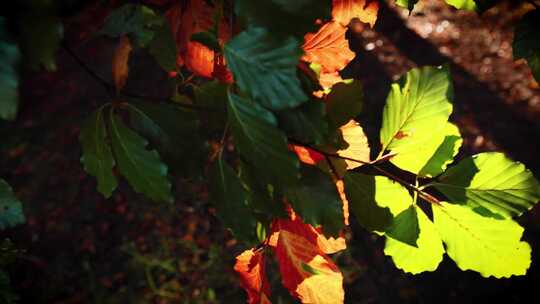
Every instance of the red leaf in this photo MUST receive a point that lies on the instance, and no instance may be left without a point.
(250, 266)
(306, 155)
(306, 271)
(328, 47)
(345, 10)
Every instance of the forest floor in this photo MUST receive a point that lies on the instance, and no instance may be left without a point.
(80, 248)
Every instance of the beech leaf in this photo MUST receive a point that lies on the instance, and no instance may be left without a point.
(366, 11)
(250, 266)
(9, 77)
(11, 213)
(120, 67)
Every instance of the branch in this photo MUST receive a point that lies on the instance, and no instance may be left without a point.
(424, 195)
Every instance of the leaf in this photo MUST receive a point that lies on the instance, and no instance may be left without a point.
(490, 181)
(526, 43)
(282, 17)
(357, 149)
(409, 4)
(489, 246)
(163, 48)
(212, 95)
(297, 247)
(306, 123)
(426, 256)
(463, 4)
(251, 269)
(207, 39)
(344, 102)
(430, 156)
(259, 140)
(307, 155)
(404, 227)
(366, 11)
(97, 157)
(231, 202)
(120, 67)
(316, 200)
(139, 22)
(265, 68)
(11, 213)
(417, 107)
(328, 48)
(40, 39)
(141, 167)
(374, 198)
(9, 76)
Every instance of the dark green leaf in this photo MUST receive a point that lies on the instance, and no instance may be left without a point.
(527, 42)
(212, 95)
(137, 21)
(265, 68)
(306, 123)
(317, 201)
(40, 39)
(371, 199)
(163, 48)
(344, 102)
(284, 17)
(231, 202)
(9, 76)
(207, 39)
(259, 141)
(97, 157)
(405, 227)
(11, 213)
(141, 167)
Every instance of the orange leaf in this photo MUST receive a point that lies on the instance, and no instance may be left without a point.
(341, 190)
(345, 10)
(306, 155)
(328, 47)
(120, 68)
(306, 271)
(250, 266)
(358, 147)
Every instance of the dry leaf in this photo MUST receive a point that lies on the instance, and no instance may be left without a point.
(251, 269)
(345, 10)
(120, 67)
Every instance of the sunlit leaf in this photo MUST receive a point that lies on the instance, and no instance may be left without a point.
(11, 213)
(231, 201)
(9, 76)
(417, 107)
(357, 151)
(250, 266)
(463, 4)
(316, 200)
(259, 140)
(328, 47)
(489, 246)
(143, 168)
(265, 68)
(120, 67)
(97, 157)
(426, 256)
(409, 4)
(345, 10)
(491, 181)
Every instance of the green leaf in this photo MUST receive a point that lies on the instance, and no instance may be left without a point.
(373, 199)
(163, 48)
(138, 21)
(463, 4)
(491, 181)
(212, 94)
(282, 17)
(141, 167)
(526, 42)
(409, 4)
(231, 202)
(259, 141)
(11, 213)
(265, 68)
(486, 245)
(344, 102)
(426, 256)
(207, 39)
(97, 158)
(404, 227)
(317, 201)
(417, 107)
(306, 123)
(9, 76)
(40, 38)
(431, 156)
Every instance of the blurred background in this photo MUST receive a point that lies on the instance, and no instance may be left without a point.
(77, 247)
